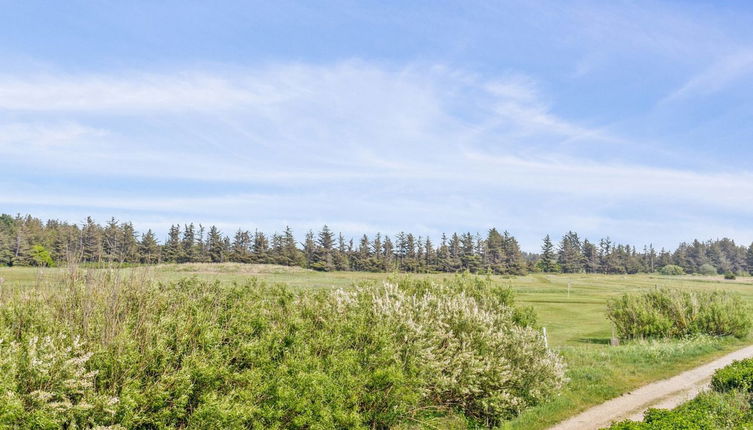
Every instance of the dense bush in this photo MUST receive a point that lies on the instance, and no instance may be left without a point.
(730, 276)
(672, 270)
(664, 312)
(708, 411)
(736, 376)
(707, 269)
(727, 406)
(102, 351)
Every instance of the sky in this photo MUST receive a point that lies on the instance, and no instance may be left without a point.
(627, 119)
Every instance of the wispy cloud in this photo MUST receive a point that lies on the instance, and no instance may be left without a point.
(719, 75)
(354, 144)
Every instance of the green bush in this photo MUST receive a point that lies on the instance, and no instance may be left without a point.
(707, 269)
(672, 270)
(728, 406)
(660, 313)
(99, 350)
(709, 410)
(730, 276)
(736, 376)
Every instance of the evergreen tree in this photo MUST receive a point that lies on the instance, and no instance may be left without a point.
(215, 245)
(188, 245)
(171, 251)
(111, 236)
(547, 262)
(129, 244)
(240, 249)
(91, 241)
(430, 255)
(513, 258)
(149, 250)
(570, 253)
(260, 248)
(309, 248)
(590, 257)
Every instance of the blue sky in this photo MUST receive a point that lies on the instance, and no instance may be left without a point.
(627, 119)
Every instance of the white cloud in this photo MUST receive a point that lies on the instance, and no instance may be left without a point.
(354, 144)
(719, 75)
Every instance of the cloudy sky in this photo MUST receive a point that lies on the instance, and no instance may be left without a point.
(623, 118)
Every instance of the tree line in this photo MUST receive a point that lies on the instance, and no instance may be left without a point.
(26, 240)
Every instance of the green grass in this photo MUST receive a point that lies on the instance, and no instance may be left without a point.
(575, 322)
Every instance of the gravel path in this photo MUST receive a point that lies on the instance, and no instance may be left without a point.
(666, 393)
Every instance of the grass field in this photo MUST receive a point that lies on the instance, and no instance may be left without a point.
(571, 307)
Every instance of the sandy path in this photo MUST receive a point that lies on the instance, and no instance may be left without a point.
(666, 393)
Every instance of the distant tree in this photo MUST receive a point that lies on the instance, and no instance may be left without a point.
(341, 260)
(260, 248)
(240, 249)
(171, 251)
(91, 241)
(188, 245)
(591, 262)
(111, 236)
(547, 262)
(149, 250)
(323, 255)
(215, 245)
(40, 256)
(570, 253)
(128, 244)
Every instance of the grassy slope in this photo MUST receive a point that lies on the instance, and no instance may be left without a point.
(575, 322)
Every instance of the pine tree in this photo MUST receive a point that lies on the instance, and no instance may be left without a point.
(495, 258)
(215, 245)
(590, 257)
(309, 248)
(111, 236)
(260, 248)
(171, 251)
(149, 248)
(341, 261)
(91, 241)
(188, 245)
(547, 262)
(513, 258)
(293, 256)
(240, 249)
(430, 255)
(570, 253)
(129, 244)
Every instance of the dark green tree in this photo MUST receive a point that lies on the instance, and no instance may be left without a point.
(547, 261)
(149, 248)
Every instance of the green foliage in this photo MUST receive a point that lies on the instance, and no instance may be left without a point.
(730, 276)
(728, 406)
(736, 376)
(708, 411)
(101, 350)
(707, 269)
(663, 312)
(672, 270)
(40, 256)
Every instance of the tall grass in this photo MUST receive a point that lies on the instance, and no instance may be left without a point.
(665, 312)
(115, 348)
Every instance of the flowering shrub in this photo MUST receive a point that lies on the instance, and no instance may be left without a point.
(99, 350)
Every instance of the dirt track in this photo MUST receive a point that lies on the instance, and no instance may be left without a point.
(666, 393)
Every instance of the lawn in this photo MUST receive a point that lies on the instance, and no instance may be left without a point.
(571, 307)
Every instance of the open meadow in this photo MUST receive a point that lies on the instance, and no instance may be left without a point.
(571, 307)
